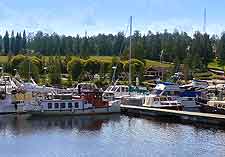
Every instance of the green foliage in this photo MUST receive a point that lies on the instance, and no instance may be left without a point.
(92, 66)
(28, 69)
(75, 67)
(54, 71)
(137, 68)
(16, 60)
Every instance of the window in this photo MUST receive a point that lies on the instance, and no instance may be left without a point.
(123, 89)
(76, 105)
(56, 105)
(69, 105)
(49, 105)
(118, 90)
(62, 105)
(114, 89)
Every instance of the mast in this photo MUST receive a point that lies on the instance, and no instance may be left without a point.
(130, 81)
(29, 71)
(204, 24)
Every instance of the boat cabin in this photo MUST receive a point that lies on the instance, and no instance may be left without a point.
(115, 92)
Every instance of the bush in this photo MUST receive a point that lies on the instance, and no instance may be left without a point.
(137, 68)
(27, 69)
(75, 68)
(92, 66)
(16, 60)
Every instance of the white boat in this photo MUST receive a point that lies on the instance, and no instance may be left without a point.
(185, 97)
(116, 92)
(162, 102)
(88, 103)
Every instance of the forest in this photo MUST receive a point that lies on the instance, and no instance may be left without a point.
(196, 52)
(176, 47)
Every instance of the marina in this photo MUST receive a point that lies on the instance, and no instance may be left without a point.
(81, 80)
(101, 135)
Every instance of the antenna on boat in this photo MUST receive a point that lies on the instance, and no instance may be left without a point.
(29, 70)
(204, 24)
(130, 81)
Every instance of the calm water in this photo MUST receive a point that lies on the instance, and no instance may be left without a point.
(102, 136)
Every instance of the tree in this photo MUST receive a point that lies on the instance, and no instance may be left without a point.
(221, 48)
(92, 66)
(24, 41)
(75, 68)
(16, 60)
(137, 67)
(12, 43)
(84, 48)
(28, 69)
(1, 43)
(18, 43)
(54, 71)
(6, 42)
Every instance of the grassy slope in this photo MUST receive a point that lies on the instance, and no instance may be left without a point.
(3, 59)
(149, 63)
(215, 65)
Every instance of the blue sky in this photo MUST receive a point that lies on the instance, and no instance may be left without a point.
(110, 16)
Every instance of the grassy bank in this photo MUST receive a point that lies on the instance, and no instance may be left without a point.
(215, 64)
(148, 63)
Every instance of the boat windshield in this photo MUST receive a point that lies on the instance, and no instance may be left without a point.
(156, 92)
(163, 99)
(114, 89)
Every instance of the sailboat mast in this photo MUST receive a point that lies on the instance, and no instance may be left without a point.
(130, 81)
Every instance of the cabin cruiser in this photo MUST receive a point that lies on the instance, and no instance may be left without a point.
(162, 102)
(212, 100)
(32, 86)
(132, 96)
(185, 96)
(86, 103)
(115, 92)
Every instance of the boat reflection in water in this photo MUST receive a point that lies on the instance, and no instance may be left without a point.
(21, 125)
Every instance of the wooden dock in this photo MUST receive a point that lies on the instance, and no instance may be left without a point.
(184, 116)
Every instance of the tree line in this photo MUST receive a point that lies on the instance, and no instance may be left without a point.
(51, 69)
(178, 47)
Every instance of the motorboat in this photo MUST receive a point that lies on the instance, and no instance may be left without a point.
(162, 102)
(186, 97)
(116, 92)
(86, 103)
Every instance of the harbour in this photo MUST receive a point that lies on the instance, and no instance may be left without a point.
(124, 88)
(113, 135)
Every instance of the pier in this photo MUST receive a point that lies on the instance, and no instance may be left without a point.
(183, 116)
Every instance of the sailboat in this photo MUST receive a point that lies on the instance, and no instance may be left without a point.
(128, 94)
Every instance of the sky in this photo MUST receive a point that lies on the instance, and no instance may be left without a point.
(71, 17)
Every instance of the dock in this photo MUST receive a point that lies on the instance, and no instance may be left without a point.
(183, 116)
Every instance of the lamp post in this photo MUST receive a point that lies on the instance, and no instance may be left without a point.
(15, 71)
(161, 56)
(114, 73)
(45, 73)
(1, 69)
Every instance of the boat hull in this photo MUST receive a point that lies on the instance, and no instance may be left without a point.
(95, 111)
(178, 108)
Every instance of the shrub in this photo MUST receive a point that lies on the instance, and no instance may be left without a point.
(75, 67)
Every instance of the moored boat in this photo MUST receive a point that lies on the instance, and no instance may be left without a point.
(86, 103)
(162, 102)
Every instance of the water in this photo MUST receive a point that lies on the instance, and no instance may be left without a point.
(102, 136)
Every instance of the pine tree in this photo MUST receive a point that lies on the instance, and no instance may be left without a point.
(24, 41)
(12, 43)
(18, 43)
(6, 42)
(1, 43)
